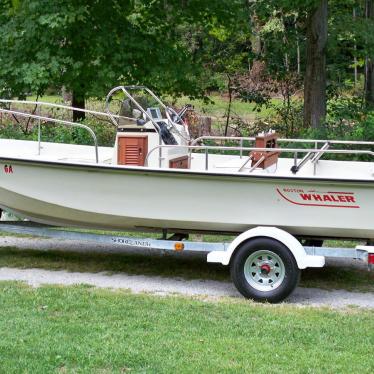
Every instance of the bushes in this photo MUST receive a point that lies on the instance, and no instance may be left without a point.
(347, 120)
(12, 131)
(105, 133)
(285, 118)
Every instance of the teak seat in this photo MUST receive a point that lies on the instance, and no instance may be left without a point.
(264, 159)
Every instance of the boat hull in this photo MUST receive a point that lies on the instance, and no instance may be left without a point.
(120, 198)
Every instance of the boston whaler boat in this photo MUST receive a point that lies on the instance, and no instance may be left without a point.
(156, 177)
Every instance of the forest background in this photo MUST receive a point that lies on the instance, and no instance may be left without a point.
(302, 67)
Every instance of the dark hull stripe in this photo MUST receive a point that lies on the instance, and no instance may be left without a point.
(122, 169)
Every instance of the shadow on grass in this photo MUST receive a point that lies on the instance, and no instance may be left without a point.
(165, 265)
(331, 277)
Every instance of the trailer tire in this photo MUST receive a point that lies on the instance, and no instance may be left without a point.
(263, 269)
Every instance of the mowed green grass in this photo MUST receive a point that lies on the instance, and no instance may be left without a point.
(216, 106)
(85, 330)
(171, 266)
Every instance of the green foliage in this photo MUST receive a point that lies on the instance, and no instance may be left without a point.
(89, 47)
(349, 119)
(282, 26)
(253, 96)
(13, 131)
(105, 133)
(285, 118)
(365, 129)
(222, 48)
(189, 47)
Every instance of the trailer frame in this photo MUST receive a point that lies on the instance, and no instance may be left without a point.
(226, 253)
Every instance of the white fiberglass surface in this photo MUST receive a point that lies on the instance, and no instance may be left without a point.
(223, 164)
(26, 149)
(324, 168)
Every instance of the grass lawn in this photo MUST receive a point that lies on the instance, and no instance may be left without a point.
(47, 99)
(171, 266)
(85, 330)
(217, 106)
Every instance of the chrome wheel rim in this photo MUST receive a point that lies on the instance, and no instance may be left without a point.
(264, 270)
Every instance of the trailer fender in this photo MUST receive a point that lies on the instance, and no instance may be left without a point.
(303, 260)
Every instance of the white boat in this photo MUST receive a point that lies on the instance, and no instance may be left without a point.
(155, 177)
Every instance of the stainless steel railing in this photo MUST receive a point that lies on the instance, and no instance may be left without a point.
(58, 121)
(282, 140)
(207, 148)
(39, 104)
(312, 156)
(126, 91)
(65, 107)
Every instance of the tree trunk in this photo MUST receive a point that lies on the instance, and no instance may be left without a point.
(355, 69)
(298, 54)
(256, 43)
(228, 115)
(78, 101)
(315, 75)
(369, 68)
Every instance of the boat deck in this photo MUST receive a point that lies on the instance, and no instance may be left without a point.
(55, 152)
(220, 164)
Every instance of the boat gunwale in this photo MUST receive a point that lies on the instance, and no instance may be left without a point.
(184, 172)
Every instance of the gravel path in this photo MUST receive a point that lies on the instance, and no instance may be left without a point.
(165, 286)
(161, 285)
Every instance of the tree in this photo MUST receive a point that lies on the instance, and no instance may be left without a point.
(315, 74)
(228, 56)
(369, 66)
(287, 24)
(90, 46)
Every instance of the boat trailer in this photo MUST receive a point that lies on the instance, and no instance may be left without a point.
(278, 255)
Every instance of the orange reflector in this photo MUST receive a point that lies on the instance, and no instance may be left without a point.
(179, 246)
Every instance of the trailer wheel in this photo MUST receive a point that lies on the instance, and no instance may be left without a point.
(264, 269)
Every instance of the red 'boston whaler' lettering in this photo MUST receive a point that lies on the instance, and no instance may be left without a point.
(327, 199)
